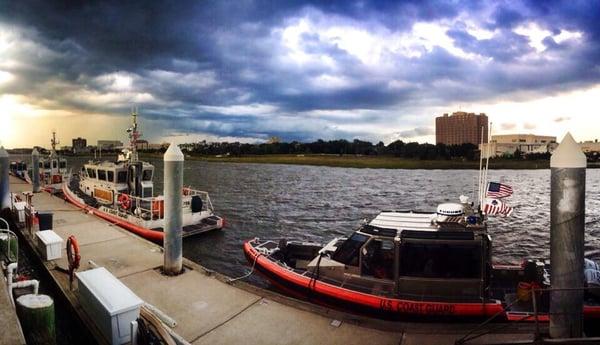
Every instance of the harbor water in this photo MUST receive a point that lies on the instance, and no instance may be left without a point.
(315, 204)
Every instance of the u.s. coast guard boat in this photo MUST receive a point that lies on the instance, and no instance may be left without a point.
(418, 264)
(122, 192)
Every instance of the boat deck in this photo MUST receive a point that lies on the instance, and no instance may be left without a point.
(209, 310)
(208, 224)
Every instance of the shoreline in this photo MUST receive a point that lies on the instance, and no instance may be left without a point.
(361, 162)
(369, 162)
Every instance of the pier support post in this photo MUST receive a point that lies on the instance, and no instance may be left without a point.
(35, 170)
(173, 186)
(567, 225)
(4, 182)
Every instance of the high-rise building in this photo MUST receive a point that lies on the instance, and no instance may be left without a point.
(79, 144)
(461, 128)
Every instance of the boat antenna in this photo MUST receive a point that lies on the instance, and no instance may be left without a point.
(54, 141)
(134, 135)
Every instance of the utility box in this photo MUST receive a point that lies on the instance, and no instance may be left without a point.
(20, 209)
(49, 244)
(108, 302)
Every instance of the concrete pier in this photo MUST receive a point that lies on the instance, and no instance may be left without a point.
(173, 186)
(35, 170)
(567, 213)
(208, 310)
(11, 329)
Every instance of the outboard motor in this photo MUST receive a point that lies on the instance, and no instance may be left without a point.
(196, 203)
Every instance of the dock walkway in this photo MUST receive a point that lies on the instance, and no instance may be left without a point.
(210, 311)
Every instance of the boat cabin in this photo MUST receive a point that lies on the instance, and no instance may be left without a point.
(52, 168)
(105, 180)
(425, 256)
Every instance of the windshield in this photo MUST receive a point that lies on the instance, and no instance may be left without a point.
(348, 252)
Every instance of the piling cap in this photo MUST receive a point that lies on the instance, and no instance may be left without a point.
(568, 154)
(173, 154)
(35, 152)
(3, 152)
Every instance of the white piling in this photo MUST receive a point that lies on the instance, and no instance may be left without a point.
(173, 186)
(567, 226)
(4, 182)
(35, 170)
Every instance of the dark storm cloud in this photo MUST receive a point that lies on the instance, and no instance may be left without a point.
(225, 67)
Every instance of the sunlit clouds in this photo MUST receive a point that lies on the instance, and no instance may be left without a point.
(248, 70)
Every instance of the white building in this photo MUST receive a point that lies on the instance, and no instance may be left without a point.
(507, 144)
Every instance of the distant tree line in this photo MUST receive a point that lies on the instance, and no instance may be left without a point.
(397, 148)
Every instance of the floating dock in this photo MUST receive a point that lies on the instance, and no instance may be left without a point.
(209, 310)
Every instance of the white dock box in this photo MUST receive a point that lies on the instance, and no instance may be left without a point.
(49, 244)
(110, 303)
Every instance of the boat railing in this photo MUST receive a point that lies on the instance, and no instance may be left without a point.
(153, 207)
(206, 202)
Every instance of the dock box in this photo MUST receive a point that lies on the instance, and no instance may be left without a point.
(108, 302)
(49, 244)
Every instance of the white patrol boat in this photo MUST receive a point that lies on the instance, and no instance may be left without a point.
(123, 192)
(53, 168)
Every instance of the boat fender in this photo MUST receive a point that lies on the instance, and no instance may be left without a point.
(124, 201)
(592, 277)
(591, 265)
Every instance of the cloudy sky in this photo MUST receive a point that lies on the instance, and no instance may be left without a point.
(246, 70)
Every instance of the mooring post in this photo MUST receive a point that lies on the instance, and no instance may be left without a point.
(567, 225)
(35, 170)
(4, 182)
(173, 186)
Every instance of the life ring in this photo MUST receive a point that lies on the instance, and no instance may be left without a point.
(187, 191)
(73, 257)
(124, 201)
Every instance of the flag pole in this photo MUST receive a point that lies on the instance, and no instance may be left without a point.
(480, 166)
(487, 163)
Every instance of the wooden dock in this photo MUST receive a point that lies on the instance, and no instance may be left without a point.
(208, 310)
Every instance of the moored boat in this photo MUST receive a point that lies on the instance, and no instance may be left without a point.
(414, 264)
(53, 168)
(122, 192)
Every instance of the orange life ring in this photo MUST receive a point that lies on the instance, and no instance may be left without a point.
(73, 257)
(124, 201)
(187, 191)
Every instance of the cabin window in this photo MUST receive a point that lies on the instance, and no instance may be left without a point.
(46, 165)
(377, 259)
(54, 164)
(122, 177)
(102, 175)
(349, 251)
(63, 164)
(91, 173)
(40, 164)
(147, 175)
(440, 261)
(110, 176)
(147, 192)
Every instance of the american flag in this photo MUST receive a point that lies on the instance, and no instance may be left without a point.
(496, 206)
(498, 190)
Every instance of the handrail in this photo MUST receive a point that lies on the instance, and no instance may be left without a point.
(9, 233)
(146, 205)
